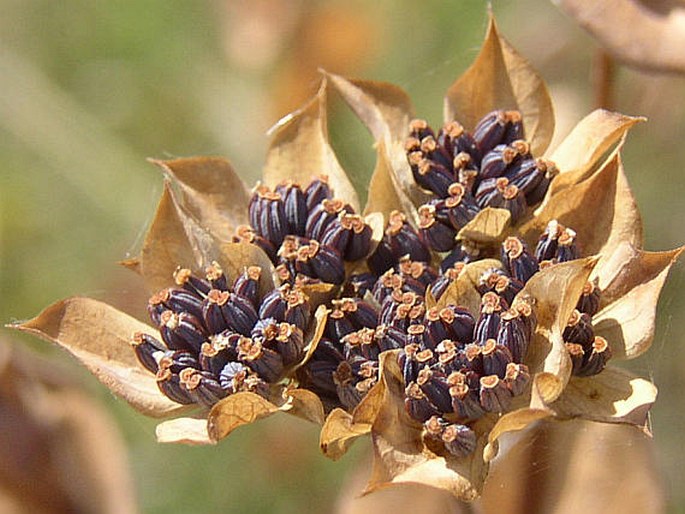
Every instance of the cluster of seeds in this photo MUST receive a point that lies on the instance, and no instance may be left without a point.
(307, 233)
(457, 365)
(217, 340)
(466, 173)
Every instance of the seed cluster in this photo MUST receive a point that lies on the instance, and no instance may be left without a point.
(217, 340)
(308, 234)
(467, 172)
(457, 365)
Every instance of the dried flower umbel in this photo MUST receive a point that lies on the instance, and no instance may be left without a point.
(483, 287)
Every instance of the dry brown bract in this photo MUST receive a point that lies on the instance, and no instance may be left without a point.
(204, 199)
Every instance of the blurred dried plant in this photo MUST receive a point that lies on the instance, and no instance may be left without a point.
(646, 34)
(59, 450)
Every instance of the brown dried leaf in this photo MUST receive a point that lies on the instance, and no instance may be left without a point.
(339, 432)
(385, 194)
(647, 34)
(341, 428)
(235, 257)
(304, 404)
(500, 78)
(300, 150)
(385, 110)
(512, 422)
(400, 456)
(211, 191)
(235, 411)
(98, 335)
(314, 333)
(383, 107)
(190, 431)
(602, 210)
(612, 396)
(532, 97)
(463, 291)
(173, 239)
(580, 151)
(487, 227)
(554, 292)
(629, 298)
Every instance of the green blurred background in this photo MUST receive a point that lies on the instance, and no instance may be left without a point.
(89, 89)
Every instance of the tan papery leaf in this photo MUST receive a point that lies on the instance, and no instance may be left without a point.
(593, 137)
(173, 239)
(300, 151)
(304, 404)
(341, 428)
(385, 194)
(192, 431)
(532, 97)
(235, 411)
(487, 227)
(612, 396)
(383, 107)
(500, 78)
(602, 210)
(211, 191)
(545, 467)
(512, 422)
(647, 34)
(628, 310)
(98, 335)
(463, 291)
(339, 432)
(554, 293)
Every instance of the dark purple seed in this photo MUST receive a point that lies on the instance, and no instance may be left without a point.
(465, 401)
(232, 377)
(295, 204)
(579, 330)
(317, 191)
(216, 277)
(147, 348)
(513, 334)
(267, 363)
(436, 235)
(495, 396)
(170, 385)
(177, 360)
(322, 215)
(201, 386)
(327, 263)
(495, 358)
(435, 388)
(595, 361)
(417, 404)
(247, 284)
(459, 440)
(488, 324)
(518, 260)
(589, 301)
(517, 378)
(197, 286)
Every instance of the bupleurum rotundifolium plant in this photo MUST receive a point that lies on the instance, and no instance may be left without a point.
(484, 286)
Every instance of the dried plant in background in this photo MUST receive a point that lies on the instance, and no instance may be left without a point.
(60, 451)
(645, 34)
(483, 287)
